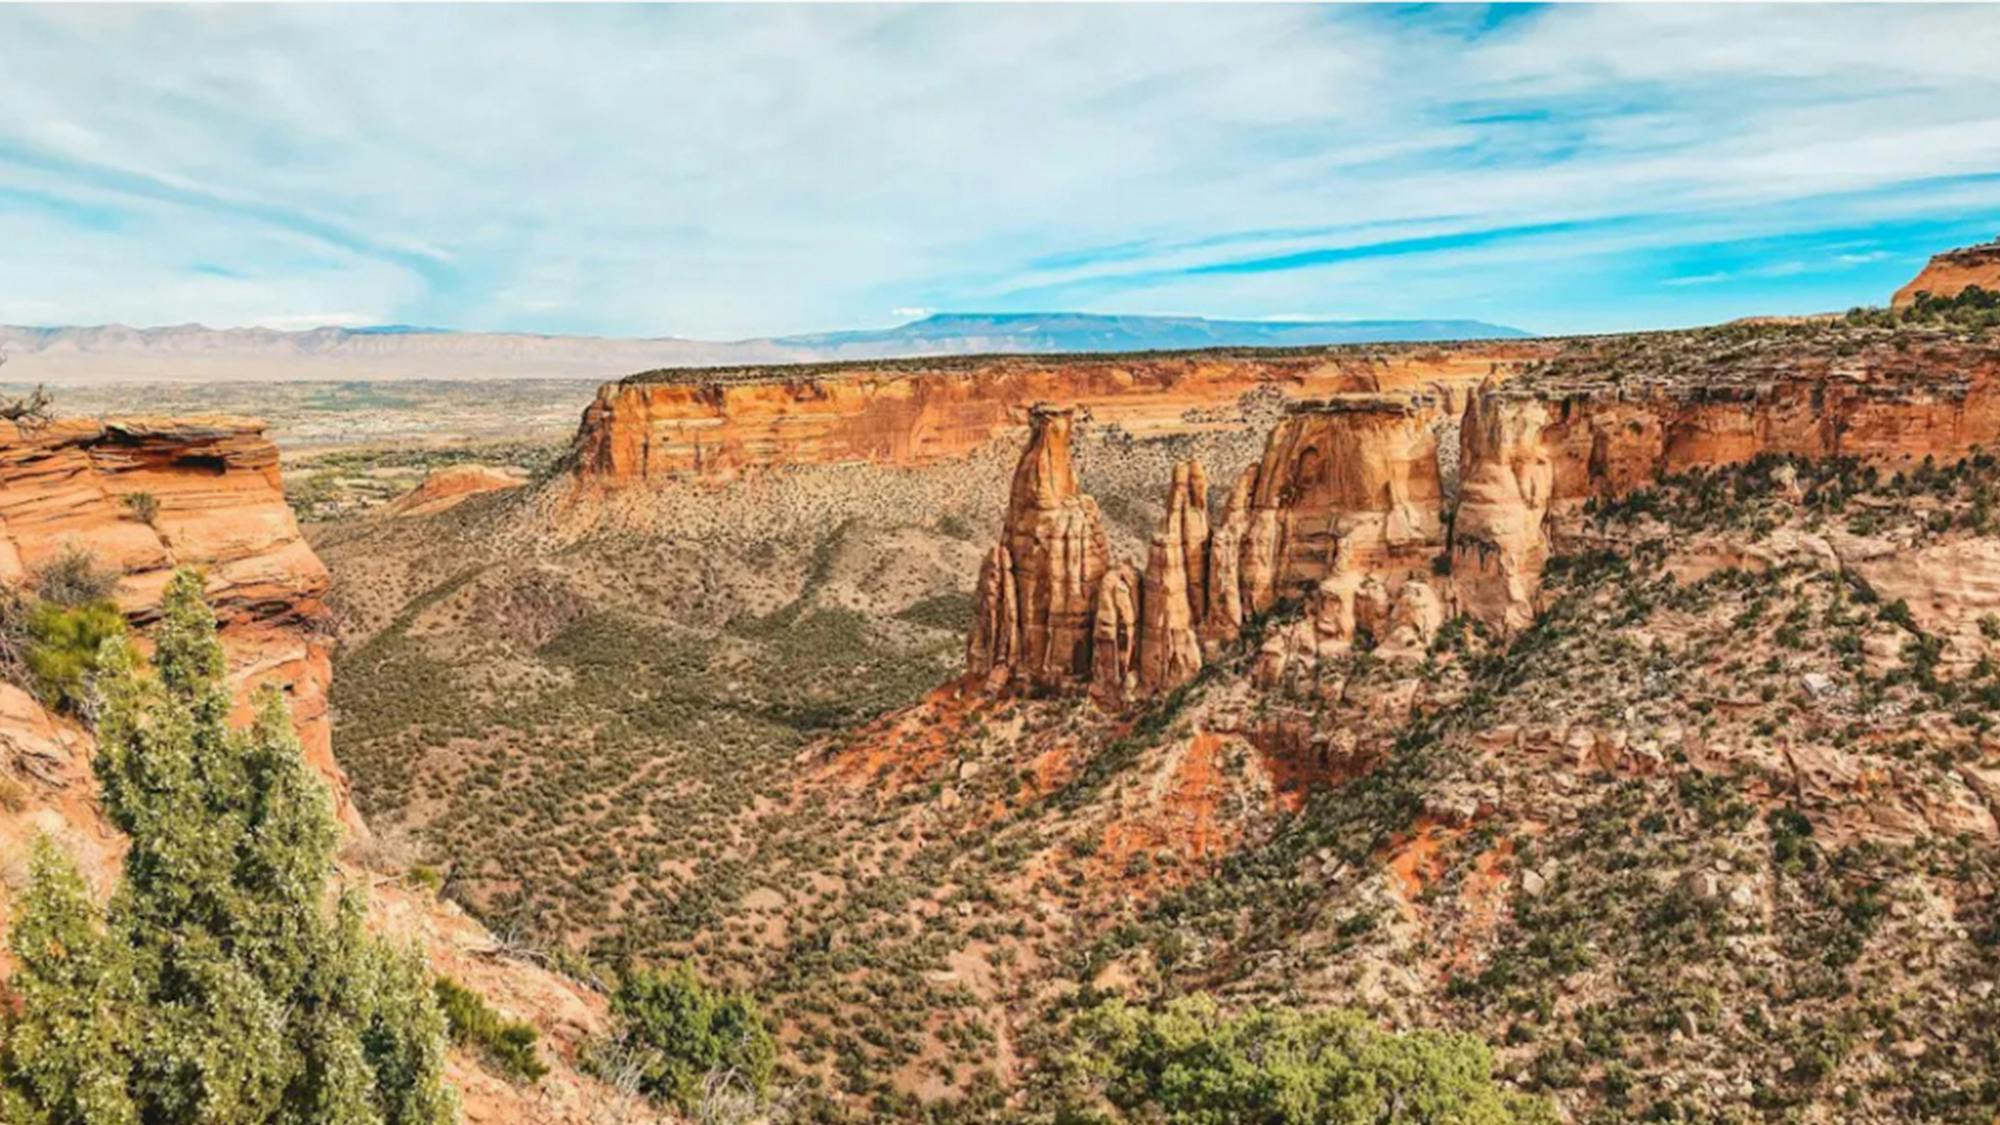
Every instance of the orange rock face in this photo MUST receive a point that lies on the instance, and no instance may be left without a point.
(1347, 509)
(1169, 653)
(1056, 539)
(1952, 272)
(720, 423)
(215, 503)
(1506, 481)
(1347, 485)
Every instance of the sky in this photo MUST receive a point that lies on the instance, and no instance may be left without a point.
(727, 172)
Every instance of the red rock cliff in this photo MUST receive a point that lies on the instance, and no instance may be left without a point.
(216, 503)
(1348, 507)
(719, 423)
(1952, 272)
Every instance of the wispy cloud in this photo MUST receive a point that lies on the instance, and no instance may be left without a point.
(735, 171)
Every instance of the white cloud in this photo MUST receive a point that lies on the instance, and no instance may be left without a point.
(730, 171)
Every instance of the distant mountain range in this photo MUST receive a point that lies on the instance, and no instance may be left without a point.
(116, 354)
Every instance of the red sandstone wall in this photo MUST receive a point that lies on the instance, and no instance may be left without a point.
(903, 415)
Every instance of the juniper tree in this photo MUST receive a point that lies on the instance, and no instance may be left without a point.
(62, 1056)
(246, 1004)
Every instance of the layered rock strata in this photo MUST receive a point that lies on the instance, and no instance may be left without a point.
(1348, 509)
(143, 496)
(211, 499)
(714, 424)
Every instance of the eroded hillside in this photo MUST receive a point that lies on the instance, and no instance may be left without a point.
(1632, 711)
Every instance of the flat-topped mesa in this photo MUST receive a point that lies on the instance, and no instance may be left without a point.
(719, 423)
(142, 496)
(1953, 272)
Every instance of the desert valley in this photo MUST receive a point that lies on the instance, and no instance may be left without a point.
(1588, 728)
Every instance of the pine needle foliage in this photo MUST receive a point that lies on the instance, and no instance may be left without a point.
(217, 988)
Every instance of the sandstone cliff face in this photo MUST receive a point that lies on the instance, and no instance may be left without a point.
(1952, 272)
(1039, 587)
(215, 504)
(1055, 539)
(1348, 508)
(1347, 486)
(716, 424)
(1506, 481)
(1169, 653)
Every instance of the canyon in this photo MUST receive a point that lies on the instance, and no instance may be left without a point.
(931, 695)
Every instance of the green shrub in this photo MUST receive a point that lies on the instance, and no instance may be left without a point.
(684, 1031)
(65, 644)
(73, 578)
(143, 505)
(15, 610)
(951, 611)
(1190, 1064)
(508, 1044)
(217, 988)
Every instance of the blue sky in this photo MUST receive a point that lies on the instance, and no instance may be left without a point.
(722, 172)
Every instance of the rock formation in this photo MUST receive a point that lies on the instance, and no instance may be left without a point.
(1056, 540)
(1225, 612)
(1038, 592)
(717, 423)
(1952, 272)
(1347, 486)
(1506, 480)
(1114, 638)
(142, 496)
(1347, 509)
(448, 488)
(1169, 652)
(212, 500)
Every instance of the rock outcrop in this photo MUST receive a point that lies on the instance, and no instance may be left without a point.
(1055, 539)
(1350, 508)
(448, 488)
(143, 496)
(1347, 486)
(1506, 481)
(1038, 590)
(1169, 653)
(1114, 638)
(1952, 272)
